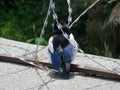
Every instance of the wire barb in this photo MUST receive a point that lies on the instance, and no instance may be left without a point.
(69, 12)
(55, 17)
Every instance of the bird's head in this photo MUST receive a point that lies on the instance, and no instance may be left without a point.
(65, 29)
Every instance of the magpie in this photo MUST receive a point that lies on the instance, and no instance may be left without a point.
(62, 48)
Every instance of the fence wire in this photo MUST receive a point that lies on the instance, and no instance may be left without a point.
(51, 8)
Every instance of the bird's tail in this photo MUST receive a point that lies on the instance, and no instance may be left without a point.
(66, 71)
(65, 74)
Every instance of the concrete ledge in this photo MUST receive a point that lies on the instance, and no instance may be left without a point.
(19, 77)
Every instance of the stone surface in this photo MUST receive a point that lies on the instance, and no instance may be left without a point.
(20, 77)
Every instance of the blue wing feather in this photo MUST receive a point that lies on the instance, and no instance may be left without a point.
(56, 61)
(68, 53)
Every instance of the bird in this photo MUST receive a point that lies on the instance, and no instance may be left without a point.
(62, 48)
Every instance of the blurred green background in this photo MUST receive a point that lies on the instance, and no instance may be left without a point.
(97, 32)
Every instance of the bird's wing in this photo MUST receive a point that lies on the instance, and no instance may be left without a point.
(54, 55)
(50, 45)
(73, 42)
(56, 60)
(70, 50)
(68, 53)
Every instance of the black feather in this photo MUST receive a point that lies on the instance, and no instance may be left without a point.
(58, 38)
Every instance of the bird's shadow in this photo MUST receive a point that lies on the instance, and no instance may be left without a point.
(57, 76)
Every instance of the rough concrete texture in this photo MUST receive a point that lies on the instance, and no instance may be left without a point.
(20, 77)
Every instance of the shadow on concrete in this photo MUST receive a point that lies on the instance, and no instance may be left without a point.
(58, 76)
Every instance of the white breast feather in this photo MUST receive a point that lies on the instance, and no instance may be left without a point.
(50, 45)
(73, 42)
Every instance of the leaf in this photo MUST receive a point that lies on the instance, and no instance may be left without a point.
(107, 52)
(40, 41)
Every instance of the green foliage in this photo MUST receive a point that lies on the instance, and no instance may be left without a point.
(40, 41)
(9, 30)
(23, 20)
(107, 52)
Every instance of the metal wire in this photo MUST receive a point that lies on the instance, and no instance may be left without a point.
(4, 50)
(97, 62)
(43, 31)
(55, 17)
(86, 10)
(69, 12)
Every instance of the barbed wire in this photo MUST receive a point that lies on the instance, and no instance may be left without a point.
(69, 12)
(41, 34)
(22, 48)
(86, 10)
(36, 63)
(4, 50)
(42, 48)
(55, 17)
(27, 51)
(97, 62)
(22, 57)
(43, 28)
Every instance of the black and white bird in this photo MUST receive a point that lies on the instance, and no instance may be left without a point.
(62, 47)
